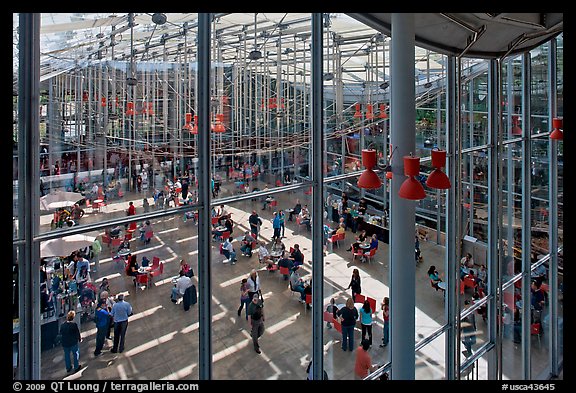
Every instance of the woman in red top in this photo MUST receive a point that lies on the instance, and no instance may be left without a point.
(385, 305)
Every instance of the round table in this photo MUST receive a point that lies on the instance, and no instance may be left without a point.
(289, 211)
(98, 201)
(221, 229)
(442, 285)
(124, 252)
(144, 269)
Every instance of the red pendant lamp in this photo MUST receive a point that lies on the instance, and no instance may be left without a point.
(151, 108)
(369, 179)
(358, 113)
(130, 108)
(103, 102)
(219, 127)
(369, 112)
(195, 128)
(516, 130)
(382, 114)
(438, 179)
(188, 125)
(557, 133)
(85, 96)
(411, 188)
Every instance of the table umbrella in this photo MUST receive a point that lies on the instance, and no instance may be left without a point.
(59, 199)
(64, 246)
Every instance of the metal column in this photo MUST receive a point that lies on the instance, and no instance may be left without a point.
(453, 216)
(28, 197)
(553, 214)
(402, 218)
(204, 195)
(317, 197)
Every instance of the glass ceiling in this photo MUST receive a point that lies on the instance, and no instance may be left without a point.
(70, 40)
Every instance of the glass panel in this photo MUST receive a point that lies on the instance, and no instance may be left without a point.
(430, 360)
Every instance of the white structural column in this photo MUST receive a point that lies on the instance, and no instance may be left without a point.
(402, 217)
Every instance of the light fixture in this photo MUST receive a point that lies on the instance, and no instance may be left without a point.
(188, 124)
(438, 179)
(369, 179)
(328, 76)
(130, 108)
(195, 128)
(411, 188)
(255, 54)
(384, 85)
(369, 112)
(151, 109)
(358, 113)
(219, 127)
(557, 133)
(103, 102)
(382, 114)
(516, 130)
(159, 18)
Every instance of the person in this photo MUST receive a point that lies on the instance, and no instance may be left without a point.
(434, 277)
(297, 255)
(244, 297)
(70, 339)
(417, 252)
(276, 226)
(184, 267)
(363, 365)
(247, 243)
(339, 231)
(228, 250)
(361, 238)
(282, 218)
(310, 372)
(305, 218)
(132, 268)
(373, 246)
(253, 283)
(288, 263)
(145, 205)
(104, 287)
(146, 232)
(264, 254)
(182, 283)
(331, 308)
(385, 306)
(255, 223)
(184, 188)
(468, 328)
(362, 206)
(96, 250)
(366, 321)
(355, 284)
(139, 183)
(296, 210)
(77, 213)
(537, 297)
(349, 315)
(467, 261)
(115, 232)
(278, 246)
(131, 209)
(120, 313)
(256, 314)
(102, 319)
(297, 284)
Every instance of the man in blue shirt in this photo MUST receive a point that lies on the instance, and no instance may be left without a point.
(276, 226)
(120, 312)
(102, 319)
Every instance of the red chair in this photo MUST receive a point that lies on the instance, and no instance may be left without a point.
(157, 272)
(336, 238)
(328, 317)
(274, 203)
(148, 236)
(372, 302)
(371, 254)
(358, 253)
(95, 207)
(106, 239)
(155, 263)
(308, 301)
(215, 220)
(128, 236)
(142, 280)
(338, 326)
(225, 235)
(116, 242)
(359, 298)
(278, 183)
(283, 271)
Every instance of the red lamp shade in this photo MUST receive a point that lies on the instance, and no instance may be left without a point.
(85, 96)
(103, 101)
(188, 125)
(272, 103)
(219, 127)
(383, 114)
(388, 175)
(369, 112)
(557, 133)
(438, 179)
(151, 108)
(195, 128)
(411, 188)
(516, 130)
(369, 179)
(130, 108)
(358, 113)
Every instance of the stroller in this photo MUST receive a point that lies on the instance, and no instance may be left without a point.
(87, 301)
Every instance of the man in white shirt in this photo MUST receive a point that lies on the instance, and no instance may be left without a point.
(229, 252)
(263, 254)
(182, 283)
